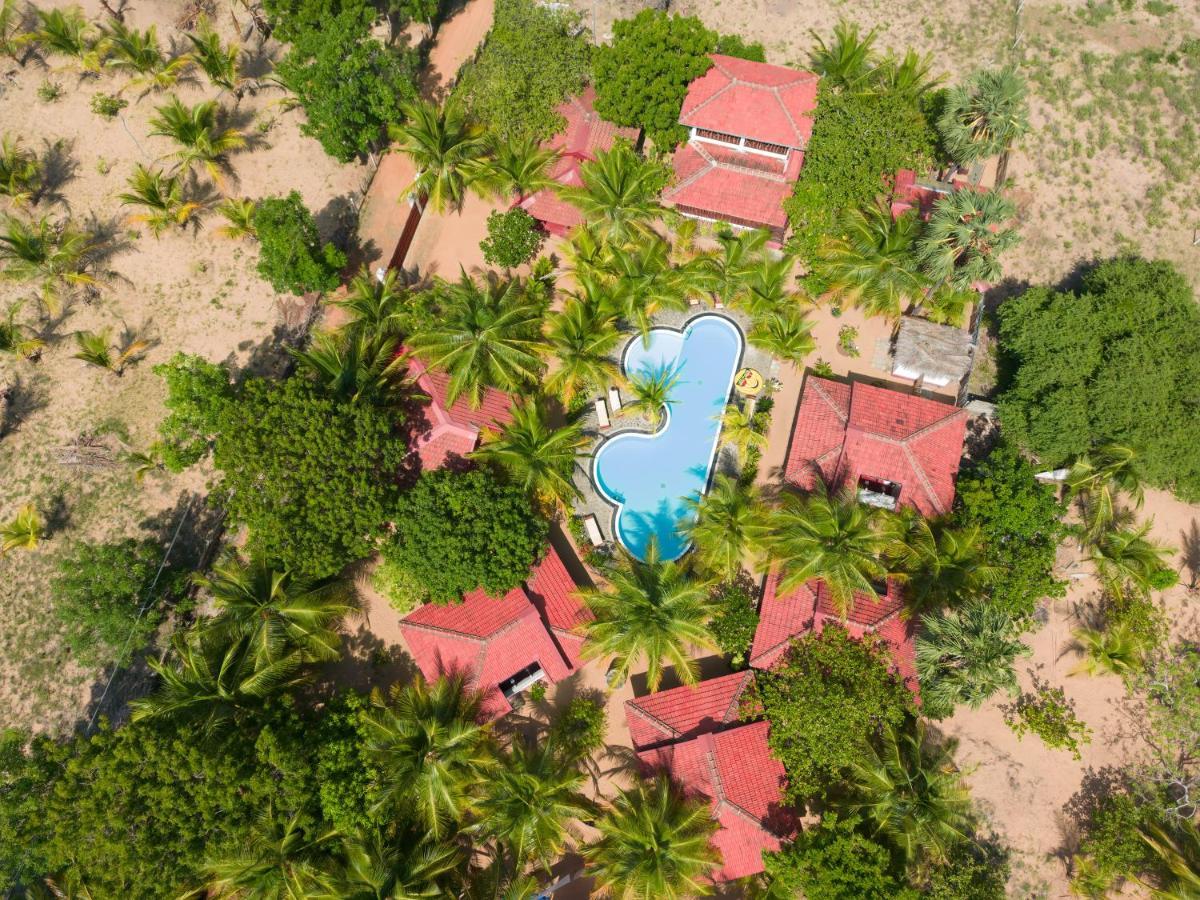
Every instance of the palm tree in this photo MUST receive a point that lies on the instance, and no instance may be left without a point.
(278, 611)
(1127, 561)
(353, 365)
(14, 39)
(833, 538)
(138, 52)
(16, 338)
(443, 145)
(728, 526)
(909, 76)
(513, 166)
(1116, 650)
(162, 196)
(20, 172)
(586, 252)
(529, 803)
(239, 216)
(196, 129)
(1096, 479)
(644, 281)
(280, 860)
(618, 195)
(965, 656)
(740, 253)
(965, 236)
(766, 288)
(483, 336)
(214, 681)
(652, 392)
(407, 867)
(847, 60)
(654, 842)
(57, 256)
(786, 335)
(376, 307)
(1178, 849)
(67, 32)
(870, 264)
(222, 63)
(22, 531)
(582, 338)
(738, 431)
(909, 791)
(536, 455)
(940, 565)
(650, 610)
(96, 349)
(984, 117)
(431, 751)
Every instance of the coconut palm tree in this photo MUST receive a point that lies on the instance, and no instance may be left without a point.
(529, 804)
(652, 392)
(1115, 650)
(162, 196)
(14, 39)
(738, 431)
(487, 335)
(910, 793)
(20, 172)
(786, 335)
(353, 366)
(649, 610)
(768, 288)
(586, 252)
(239, 217)
(582, 339)
(965, 656)
(373, 867)
(55, 255)
(221, 62)
(22, 531)
(17, 339)
(1097, 478)
(138, 53)
(536, 455)
(281, 859)
(654, 842)
(1128, 562)
(618, 195)
(644, 281)
(846, 61)
(985, 116)
(739, 254)
(965, 237)
(940, 565)
(831, 537)
(377, 307)
(67, 32)
(907, 76)
(870, 264)
(443, 145)
(512, 167)
(96, 349)
(278, 611)
(1178, 849)
(729, 525)
(214, 681)
(197, 131)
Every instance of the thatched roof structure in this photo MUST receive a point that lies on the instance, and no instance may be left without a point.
(940, 354)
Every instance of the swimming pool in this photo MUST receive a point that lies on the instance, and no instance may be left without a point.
(649, 477)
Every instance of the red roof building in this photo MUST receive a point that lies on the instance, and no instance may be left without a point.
(686, 712)
(893, 448)
(552, 590)
(749, 125)
(909, 193)
(585, 135)
(503, 645)
(453, 428)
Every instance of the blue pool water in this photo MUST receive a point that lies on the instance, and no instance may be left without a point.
(648, 477)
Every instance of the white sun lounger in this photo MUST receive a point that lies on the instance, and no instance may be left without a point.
(593, 530)
(614, 399)
(602, 414)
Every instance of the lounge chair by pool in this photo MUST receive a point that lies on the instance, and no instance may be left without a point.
(593, 530)
(614, 399)
(602, 413)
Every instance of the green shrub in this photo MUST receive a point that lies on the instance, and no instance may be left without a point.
(197, 390)
(736, 45)
(49, 91)
(107, 106)
(581, 728)
(835, 861)
(514, 238)
(1048, 713)
(291, 255)
(736, 618)
(1111, 845)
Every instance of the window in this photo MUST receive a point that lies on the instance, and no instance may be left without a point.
(718, 136)
(524, 679)
(878, 492)
(777, 149)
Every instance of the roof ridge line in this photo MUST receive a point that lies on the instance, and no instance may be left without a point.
(673, 732)
(698, 174)
(748, 676)
(824, 395)
(922, 476)
(787, 114)
(722, 799)
(424, 626)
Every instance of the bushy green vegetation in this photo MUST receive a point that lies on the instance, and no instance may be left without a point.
(197, 390)
(291, 255)
(514, 238)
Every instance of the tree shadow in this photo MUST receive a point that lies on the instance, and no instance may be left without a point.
(338, 221)
(194, 524)
(56, 515)
(708, 667)
(366, 661)
(1189, 540)
(59, 166)
(20, 398)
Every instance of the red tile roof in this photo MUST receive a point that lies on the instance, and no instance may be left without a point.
(754, 100)
(585, 133)
(553, 592)
(453, 429)
(848, 431)
(556, 214)
(686, 712)
(715, 183)
(908, 193)
(736, 771)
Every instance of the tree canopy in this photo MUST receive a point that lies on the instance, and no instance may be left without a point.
(291, 256)
(196, 392)
(1115, 360)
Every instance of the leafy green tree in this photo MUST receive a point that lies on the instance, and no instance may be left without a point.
(618, 194)
(1020, 527)
(455, 532)
(940, 565)
(279, 859)
(579, 730)
(972, 871)
(871, 265)
(1115, 362)
(538, 456)
(313, 479)
(984, 117)
(826, 699)
(1048, 713)
(1111, 848)
(642, 77)
(350, 85)
(197, 390)
(737, 46)
(729, 526)
(967, 656)
(582, 337)
(735, 617)
(514, 237)
(965, 237)
(292, 19)
(835, 861)
(651, 611)
(444, 145)
(653, 842)
(291, 256)
(534, 58)
(109, 598)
